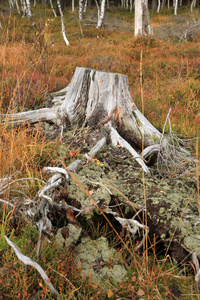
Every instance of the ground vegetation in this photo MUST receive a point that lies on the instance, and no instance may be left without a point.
(34, 63)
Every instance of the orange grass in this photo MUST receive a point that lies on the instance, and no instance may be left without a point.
(34, 60)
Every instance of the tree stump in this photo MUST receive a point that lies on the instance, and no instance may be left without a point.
(94, 98)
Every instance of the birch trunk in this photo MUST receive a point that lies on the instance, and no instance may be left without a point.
(24, 8)
(85, 6)
(158, 9)
(55, 15)
(142, 18)
(80, 10)
(11, 5)
(131, 5)
(193, 4)
(29, 12)
(101, 14)
(175, 7)
(163, 4)
(17, 6)
(62, 23)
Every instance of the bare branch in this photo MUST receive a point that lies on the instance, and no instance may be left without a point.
(28, 261)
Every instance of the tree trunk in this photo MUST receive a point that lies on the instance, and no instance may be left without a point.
(154, 5)
(101, 12)
(142, 18)
(62, 23)
(80, 10)
(175, 7)
(29, 12)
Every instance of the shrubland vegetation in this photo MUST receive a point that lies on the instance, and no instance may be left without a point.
(35, 61)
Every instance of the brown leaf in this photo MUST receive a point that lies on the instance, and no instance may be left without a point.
(70, 217)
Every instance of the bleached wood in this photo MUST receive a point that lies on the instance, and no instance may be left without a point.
(62, 23)
(101, 13)
(29, 12)
(116, 138)
(151, 150)
(55, 15)
(142, 18)
(96, 148)
(80, 11)
(91, 97)
(28, 261)
(44, 114)
(93, 91)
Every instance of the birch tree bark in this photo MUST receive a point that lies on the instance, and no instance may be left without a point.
(80, 10)
(11, 5)
(62, 23)
(101, 13)
(193, 4)
(85, 6)
(131, 5)
(175, 7)
(17, 6)
(163, 4)
(142, 18)
(29, 12)
(158, 8)
(55, 15)
(72, 5)
(24, 8)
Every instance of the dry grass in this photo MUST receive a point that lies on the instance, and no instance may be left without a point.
(33, 60)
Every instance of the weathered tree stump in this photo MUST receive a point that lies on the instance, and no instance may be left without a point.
(96, 97)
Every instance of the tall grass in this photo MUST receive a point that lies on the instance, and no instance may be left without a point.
(33, 61)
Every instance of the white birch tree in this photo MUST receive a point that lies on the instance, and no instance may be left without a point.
(80, 10)
(62, 23)
(142, 18)
(131, 5)
(101, 13)
(55, 15)
(72, 5)
(175, 3)
(29, 12)
(17, 6)
(23, 7)
(158, 8)
(85, 6)
(193, 4)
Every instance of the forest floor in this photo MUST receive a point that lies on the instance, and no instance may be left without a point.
(34, 61)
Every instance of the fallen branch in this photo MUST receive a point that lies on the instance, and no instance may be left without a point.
(116, 138)
(28, 261)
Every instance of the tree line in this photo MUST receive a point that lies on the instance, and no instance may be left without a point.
(141, 10)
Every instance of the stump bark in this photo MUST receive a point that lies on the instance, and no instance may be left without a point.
(92, 97)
